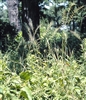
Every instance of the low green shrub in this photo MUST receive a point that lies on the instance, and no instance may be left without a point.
(11, 85)
(43, 79)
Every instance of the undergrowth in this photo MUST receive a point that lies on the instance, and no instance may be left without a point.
(45, 71)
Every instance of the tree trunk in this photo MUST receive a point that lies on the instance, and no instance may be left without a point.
(12, 6)
(30, 16)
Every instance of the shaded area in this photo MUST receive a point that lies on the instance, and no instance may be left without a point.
(7, 35)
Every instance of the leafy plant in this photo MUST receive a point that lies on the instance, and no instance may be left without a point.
(47, 70)
(11, 85)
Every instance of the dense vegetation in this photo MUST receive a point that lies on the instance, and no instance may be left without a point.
(53, 68)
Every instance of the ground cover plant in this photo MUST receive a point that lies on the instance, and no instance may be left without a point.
(51, 75)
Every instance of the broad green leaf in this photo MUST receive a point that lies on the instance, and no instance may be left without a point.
(77, 89)
(26, 93)
(25, 75)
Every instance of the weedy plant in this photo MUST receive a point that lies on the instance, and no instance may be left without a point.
(43, 71)
(44, 77)
(11, 85)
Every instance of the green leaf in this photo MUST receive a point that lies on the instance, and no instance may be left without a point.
(77, 89)
(1, 91)
(26, 93)
(25, 75)
(1, 96)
